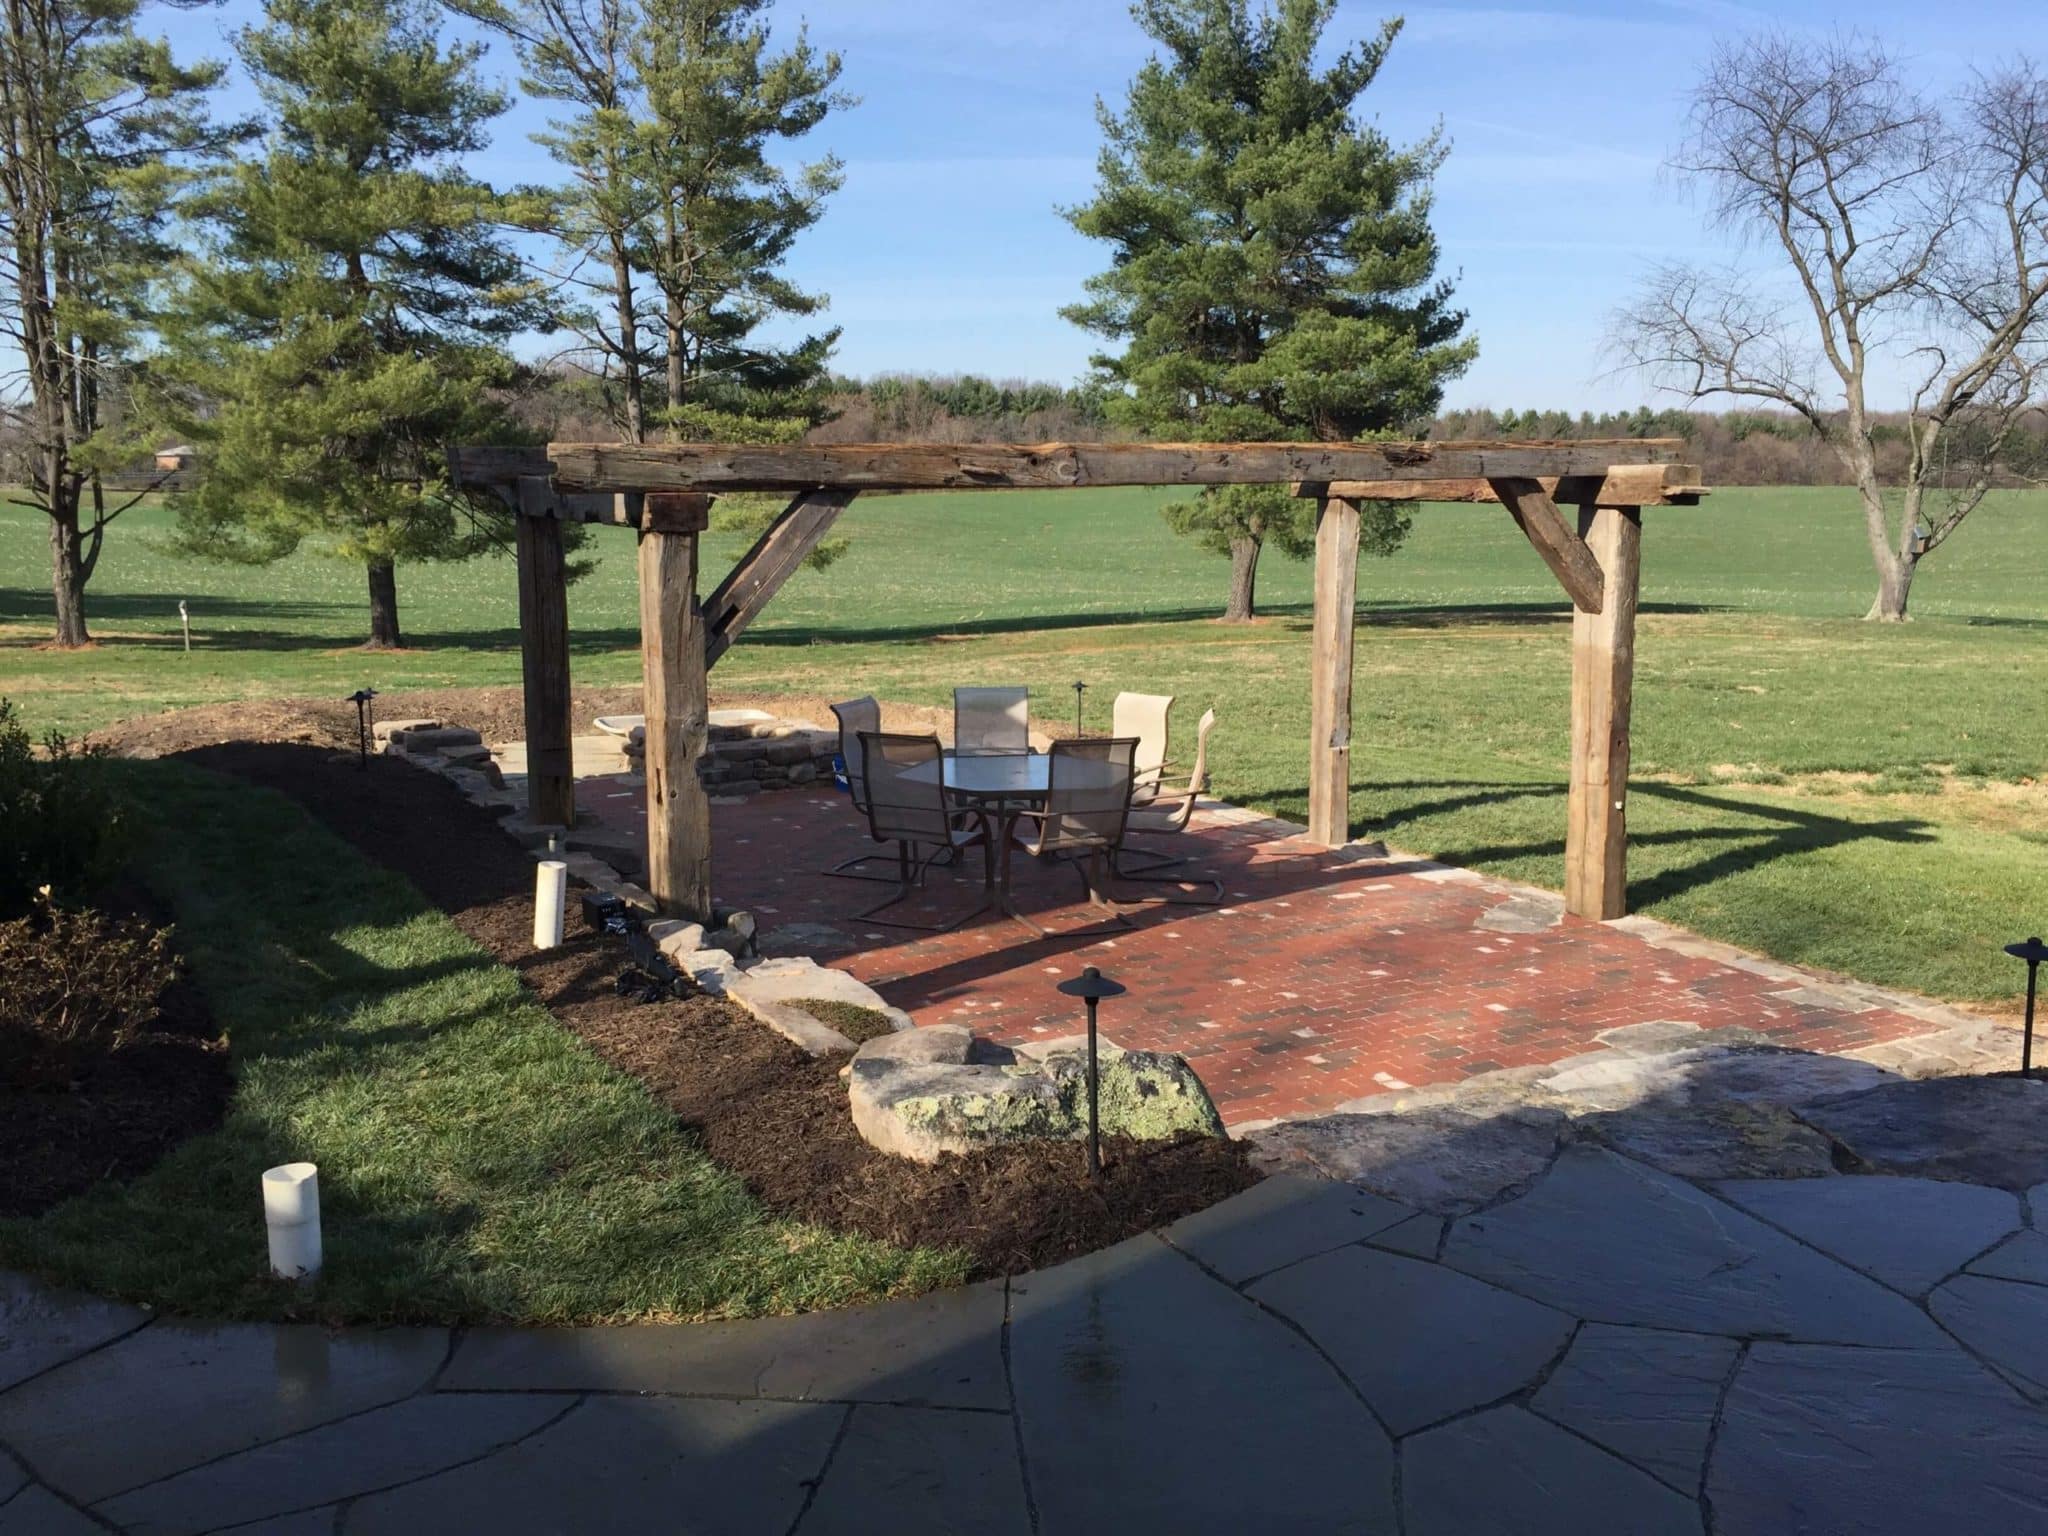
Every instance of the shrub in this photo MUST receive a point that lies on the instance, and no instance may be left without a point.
(74, 988)
(61, 822)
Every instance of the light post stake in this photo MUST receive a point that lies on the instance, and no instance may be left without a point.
(361, 699)
(1091, 986)
(1079, 689)
(2033, 952)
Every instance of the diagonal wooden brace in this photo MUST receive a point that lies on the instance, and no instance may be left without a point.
(776, 556)
(1561, 548)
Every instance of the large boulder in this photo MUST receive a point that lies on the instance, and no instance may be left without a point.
(925, 1092)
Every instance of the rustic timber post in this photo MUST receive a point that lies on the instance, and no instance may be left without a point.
(676, 701)
(1603, 684)
(1329, 758)
(544, 655)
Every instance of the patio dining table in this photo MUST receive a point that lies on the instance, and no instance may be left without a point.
(1000, 788)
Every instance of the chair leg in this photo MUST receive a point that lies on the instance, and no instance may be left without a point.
(909, 877)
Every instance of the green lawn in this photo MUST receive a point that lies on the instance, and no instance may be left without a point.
(1862, 799)
(478, 1163)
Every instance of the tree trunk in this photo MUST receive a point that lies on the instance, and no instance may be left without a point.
(1894, 586)
(67, 578)
(384, 635)
(1244, 580)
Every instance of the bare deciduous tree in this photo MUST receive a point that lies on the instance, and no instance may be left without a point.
(1914, 233)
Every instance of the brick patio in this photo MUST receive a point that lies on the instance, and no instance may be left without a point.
(1325, 977)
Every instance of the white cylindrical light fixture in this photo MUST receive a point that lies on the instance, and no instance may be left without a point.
(291, 1207)
(550, 897)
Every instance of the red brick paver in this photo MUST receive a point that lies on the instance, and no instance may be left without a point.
(1323, 978)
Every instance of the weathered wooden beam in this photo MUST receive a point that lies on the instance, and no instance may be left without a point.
(1562, 549)
(1624, 485)
(1603, 689)
(481, 467)
(675, 511)
(776, 556)
(544, 658)
(1336, 603)
(954, 466)
(676, 701)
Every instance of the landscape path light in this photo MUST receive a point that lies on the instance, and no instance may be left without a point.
(361, 699)
(1079, 689)
(2033, 952)
(1092, 987)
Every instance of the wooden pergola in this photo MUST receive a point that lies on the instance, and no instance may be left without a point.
(665, 492)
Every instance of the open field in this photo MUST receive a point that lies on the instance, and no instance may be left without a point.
(1864, 800)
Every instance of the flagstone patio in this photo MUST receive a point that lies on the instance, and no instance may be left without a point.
(1326, 978)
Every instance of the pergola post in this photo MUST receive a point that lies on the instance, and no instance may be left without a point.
(1603, 684)
(676, 702)
(1329, 758)
(544, 656)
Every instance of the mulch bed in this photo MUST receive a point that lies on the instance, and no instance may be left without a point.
(773, 1115)
(129, 1109)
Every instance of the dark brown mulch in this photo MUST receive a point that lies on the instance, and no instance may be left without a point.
(131, 1108)
(767, 1111)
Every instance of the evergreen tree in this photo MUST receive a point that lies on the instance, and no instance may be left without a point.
(1273, 273)
(350, 320)
(99, 130)
(680, 212)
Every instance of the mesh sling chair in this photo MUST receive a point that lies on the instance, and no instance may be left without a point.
(1087, 805)
(1143, 715)
(991, 720)
(856, 716)
(907, 806)
(1167, 812)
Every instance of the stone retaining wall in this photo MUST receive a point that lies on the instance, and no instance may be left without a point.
(749, 751)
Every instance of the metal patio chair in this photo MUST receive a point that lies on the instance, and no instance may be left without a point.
(1167, 813)
(856, 716)
(1144, 716)
(1087, 807)
(991, 720)
(907, 806)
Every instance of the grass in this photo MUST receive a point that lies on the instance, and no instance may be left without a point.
(1864, 799)
(478, 1163)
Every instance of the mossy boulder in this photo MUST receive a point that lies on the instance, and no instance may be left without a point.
(925, 1092)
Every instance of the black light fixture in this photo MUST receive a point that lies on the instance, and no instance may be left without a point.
(2033, 952)
(1079, 689)
(361, 699)
(1092, 986)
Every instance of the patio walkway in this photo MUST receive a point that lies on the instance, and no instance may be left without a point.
(1613, 1350)
(1324, 979)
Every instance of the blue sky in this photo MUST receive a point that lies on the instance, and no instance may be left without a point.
(945, 253)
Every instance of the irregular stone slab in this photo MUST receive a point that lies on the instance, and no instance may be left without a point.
(1981, 1130)
(1651, 1037)
(917, 1469)
(1420, 1341)
(921, 1104)
(1644, 1394)
(41, 1327)
(1715, 1140)
(1441, 1158)
(627, 1464)
(435, 738)
(1612, 1241)
(2024, 1257)
(177, 1394)
(1531, 912)
(1910, 1233)
(1725, 1070)
(1507, 1473)
(1278, 1221)
(36, 1511)
(1815, 1438)
(2005, 1321)
(1418, 1237)
(379, 1449)
(940, 1350)
(12, 1477)
(1152, 1398)
(773, 985)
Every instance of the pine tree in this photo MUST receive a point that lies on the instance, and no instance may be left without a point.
(680, 212)
(350, 321)
(100, 128)
(1273, 272)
